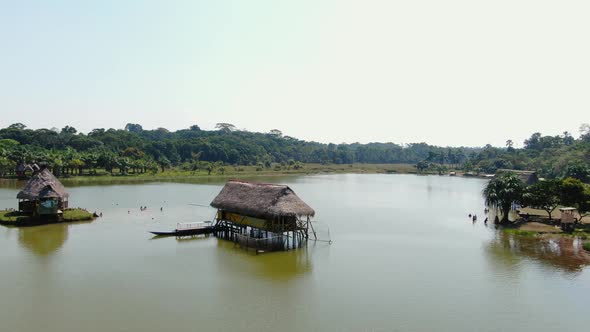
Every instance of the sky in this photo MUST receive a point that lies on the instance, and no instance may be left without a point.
(449, 73)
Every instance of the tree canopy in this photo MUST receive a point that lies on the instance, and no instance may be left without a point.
(503, 191)
(558, 156)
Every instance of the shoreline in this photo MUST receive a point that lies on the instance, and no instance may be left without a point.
(247, 172)
(540, 228)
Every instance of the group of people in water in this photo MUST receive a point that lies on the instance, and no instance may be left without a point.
(473, 217)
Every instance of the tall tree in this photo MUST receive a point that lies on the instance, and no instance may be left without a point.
(276, 132)
(502, 191)
(18, 126)
(576, 194)
(544, 195)
(133, 127)
(225, 127)
(69, 130)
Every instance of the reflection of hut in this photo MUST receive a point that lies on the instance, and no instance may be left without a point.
(43, 195)
(527, 177)
(263, 216)
(43, 240)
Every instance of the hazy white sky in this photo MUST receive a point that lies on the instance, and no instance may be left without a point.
(445, 72)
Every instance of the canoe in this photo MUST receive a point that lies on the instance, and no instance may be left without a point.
(187, 229)
(185, 232)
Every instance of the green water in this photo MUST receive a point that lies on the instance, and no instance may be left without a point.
(404, 257)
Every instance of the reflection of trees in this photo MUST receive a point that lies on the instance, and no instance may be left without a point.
(43, 240)
(564, 253)
(276, 265)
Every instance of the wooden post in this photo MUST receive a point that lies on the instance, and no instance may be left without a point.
(312, 229)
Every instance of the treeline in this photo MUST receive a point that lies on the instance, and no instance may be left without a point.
(507, 189)
(559, 156)
(136, 149)
(133, 149)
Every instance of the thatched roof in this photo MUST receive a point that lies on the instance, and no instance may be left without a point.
(260, 200)
(527, 177)
(43, 185)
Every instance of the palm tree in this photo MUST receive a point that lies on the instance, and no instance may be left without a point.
(502, 191)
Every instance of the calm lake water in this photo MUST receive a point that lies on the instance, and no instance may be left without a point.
(404, 257)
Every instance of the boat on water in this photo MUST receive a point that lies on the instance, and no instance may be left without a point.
(188, 229)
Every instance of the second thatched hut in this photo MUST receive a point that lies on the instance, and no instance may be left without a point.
(262, 215)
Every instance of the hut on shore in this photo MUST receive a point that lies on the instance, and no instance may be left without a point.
(527, 177)
(263, 216)
(23, 170)
(43, 196)
(568, 218)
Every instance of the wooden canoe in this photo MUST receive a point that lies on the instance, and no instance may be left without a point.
(185, 232)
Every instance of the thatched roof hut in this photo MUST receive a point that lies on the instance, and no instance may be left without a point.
(263, 216)
(261, 200)
(43, 185)
(527, 177)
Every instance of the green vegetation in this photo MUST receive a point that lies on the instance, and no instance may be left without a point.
(544, 195)
(553, 157)
(77, 215)
(16, 219)
(135, 151)
(586, 246)
(502, 191)
(9, 217)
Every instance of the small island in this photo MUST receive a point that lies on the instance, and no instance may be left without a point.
(43, 200)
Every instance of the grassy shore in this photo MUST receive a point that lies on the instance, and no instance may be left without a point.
(539, 225)
(9, 217)
(246, 172)
(14, 218)
(77, 215)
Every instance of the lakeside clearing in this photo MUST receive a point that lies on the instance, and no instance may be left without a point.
(539, 226)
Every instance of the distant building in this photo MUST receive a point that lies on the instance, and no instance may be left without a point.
(527, 177)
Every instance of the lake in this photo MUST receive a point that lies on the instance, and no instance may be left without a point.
(404, 257)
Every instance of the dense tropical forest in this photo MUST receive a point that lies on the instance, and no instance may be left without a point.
(135, 150)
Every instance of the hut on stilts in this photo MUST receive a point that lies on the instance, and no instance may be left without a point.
(262, 216)
(43, 196)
